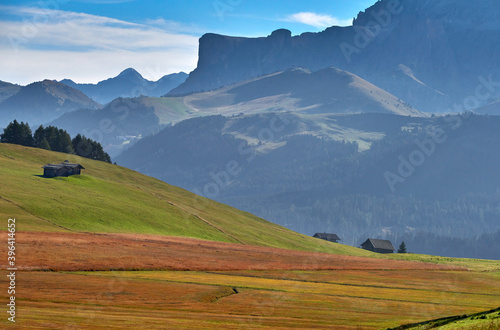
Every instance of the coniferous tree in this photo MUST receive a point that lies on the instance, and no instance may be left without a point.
(17, 133)
(39, 136)
(26, 135)
(44, 144)
(82, 146)
(90, 149)
(64, 142)
(402, 248)
(52, 138)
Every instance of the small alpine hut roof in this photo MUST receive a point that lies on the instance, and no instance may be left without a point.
(64, 169)
(62, 165)
(328, 237)
(380, 244)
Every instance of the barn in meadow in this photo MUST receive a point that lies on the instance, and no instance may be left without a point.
(327, 237)
(64, 169)
(378, 246)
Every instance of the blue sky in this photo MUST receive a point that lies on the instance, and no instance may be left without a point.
(91, 40)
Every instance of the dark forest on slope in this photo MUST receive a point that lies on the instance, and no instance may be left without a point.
(433, 182)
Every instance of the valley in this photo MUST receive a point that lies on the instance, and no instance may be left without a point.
(223, 268)
(265, 189)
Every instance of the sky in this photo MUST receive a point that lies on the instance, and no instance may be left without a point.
(92, 40)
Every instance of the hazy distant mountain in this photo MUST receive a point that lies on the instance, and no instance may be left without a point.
(325, 91)
(42, 102)
(427, 53)
(118, 125)
(305, 172)
(7, 90)
(128, 83)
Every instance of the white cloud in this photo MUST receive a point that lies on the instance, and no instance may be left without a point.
(86, 48)
(174, 26)
(93, 66)
(319, 21)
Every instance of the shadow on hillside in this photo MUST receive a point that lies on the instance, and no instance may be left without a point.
(40, 176)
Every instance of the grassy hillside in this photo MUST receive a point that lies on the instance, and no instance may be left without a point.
(483, 320)
(471, 264)
(111, 199)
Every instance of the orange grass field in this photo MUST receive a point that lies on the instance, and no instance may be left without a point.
(78, 280)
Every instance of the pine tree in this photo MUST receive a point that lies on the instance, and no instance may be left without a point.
(88, 148)
(64, 142)
(51, 133)
(39, 136)
(26, 135)
(402, 248)
(17, 133)
(44, 144)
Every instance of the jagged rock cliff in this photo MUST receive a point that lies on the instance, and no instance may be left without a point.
(428, 53)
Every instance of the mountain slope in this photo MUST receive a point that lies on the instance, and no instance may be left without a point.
(322, 92)
(41, 102)
(431, 182)
(111, 199)
(427, 53)
(115, 126)
(7, 90)
(129, 83)
(325, 91)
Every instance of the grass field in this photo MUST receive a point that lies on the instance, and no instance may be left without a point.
(116, 249)
(142, 281)
(112, 199)
(247, 299)
(489, 320)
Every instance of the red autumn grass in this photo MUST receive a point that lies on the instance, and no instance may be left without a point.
(87, 251)
(204, 300)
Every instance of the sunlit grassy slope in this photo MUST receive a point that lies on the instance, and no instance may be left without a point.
(109, 198)
(471, 264)
(483, 320)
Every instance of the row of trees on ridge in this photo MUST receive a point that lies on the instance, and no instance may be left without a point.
(52, 138)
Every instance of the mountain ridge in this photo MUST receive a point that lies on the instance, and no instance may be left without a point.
(326, 91)
(43, 101)
(432, 39)
(128, 83)
(329, 90)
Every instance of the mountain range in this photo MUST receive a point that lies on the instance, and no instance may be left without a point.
(41, 102)
(116, 126)
(44, 101)
(129, 83)
(299, 90)
(430, 54)
(7, 90)
(328, 90)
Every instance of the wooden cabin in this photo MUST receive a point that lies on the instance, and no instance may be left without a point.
(378, 246)
(64, 169)
(327, 237)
